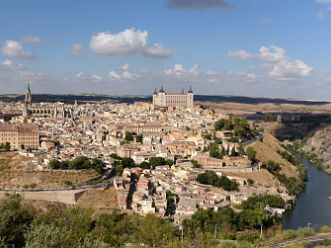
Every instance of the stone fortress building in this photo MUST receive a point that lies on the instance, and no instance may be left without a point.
(180, 100)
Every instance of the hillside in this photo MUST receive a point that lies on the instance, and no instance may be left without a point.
(319, 144)
(101, 200)
(268, 150)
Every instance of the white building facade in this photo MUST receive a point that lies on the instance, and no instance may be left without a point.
(173, 100)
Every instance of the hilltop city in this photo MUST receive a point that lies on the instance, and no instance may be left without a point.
(149, 152)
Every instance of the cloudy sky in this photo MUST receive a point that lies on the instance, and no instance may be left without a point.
(267, 48)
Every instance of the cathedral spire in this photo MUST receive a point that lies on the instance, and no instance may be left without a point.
(28, 96)
(162, 90)
(190, 90)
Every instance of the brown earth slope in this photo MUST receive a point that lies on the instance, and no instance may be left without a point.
(268, 150)
(101, 200)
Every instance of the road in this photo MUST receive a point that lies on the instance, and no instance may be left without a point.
(310, 239)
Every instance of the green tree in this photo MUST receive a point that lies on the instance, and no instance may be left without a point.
(7, 147)
(215, 154)
(156, 232)
(115, 156)
(169, 162)
(156, 161)
(15, 220)
(144, 165)
(54, 164)
(48, 236)
(196, 164)
(128, 162)
(250, 181)
(251, 153)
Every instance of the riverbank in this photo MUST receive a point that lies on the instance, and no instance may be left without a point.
(318, 148)
(313, 205)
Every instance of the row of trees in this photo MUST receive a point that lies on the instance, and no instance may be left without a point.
(238, 125)
(79, 163)
(211, 178)
(215, 152)
(22, 226)
(127, 162)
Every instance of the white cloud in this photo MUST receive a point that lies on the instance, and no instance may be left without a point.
(176, 70)
(157, 51)
(125, 67)
(14, 48)
(122, 74)
(241, 54)
(32, 39)
(113, 76)
(76, 50)
(129, 41)
(82, 76)
(278, 63)
(193, 70)
(211, 72)
(289, 69)
(281, 66)
(11, 71)
(251, 76)
(127, 75)
(179, 70)
(272, 53)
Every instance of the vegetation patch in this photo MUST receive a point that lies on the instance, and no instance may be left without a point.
(211, 178)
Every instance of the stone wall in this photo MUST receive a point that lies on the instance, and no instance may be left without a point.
(69, 197)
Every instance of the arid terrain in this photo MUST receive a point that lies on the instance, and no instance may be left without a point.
(18, 172)
(242, 108)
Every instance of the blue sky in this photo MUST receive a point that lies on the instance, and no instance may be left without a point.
(268, 48)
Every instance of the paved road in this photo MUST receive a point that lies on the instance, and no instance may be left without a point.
(310, 239)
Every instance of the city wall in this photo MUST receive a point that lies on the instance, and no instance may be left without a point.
(69, 197)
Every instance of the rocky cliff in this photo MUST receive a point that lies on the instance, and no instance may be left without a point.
(318, 147)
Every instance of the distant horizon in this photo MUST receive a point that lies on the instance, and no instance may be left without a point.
(150, 95)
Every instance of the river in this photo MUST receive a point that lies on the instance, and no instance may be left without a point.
(314, 204)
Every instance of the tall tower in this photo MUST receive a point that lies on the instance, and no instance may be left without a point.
(27, 102)
(162, 99)
(190, 98)
(28, 97)
(155, 98)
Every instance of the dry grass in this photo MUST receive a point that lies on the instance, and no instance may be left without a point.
(18, 173)
(268, 150)
(99, 199)
(242, 108)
